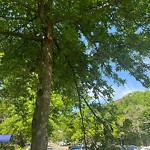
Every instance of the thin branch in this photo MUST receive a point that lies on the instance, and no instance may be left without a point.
(100, 120)
(98, 8)
(22, 35)
(79, 98)
(81, 113)
(18, 18)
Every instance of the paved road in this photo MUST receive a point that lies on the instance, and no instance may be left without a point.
(57, 147)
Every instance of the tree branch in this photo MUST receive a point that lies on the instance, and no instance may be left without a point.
(17, 18)
(80, 97)
(22, 35)
(104, 5)
(80, 105)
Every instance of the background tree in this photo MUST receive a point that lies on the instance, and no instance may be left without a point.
(70, 46)
(17, 112)
(134, 108)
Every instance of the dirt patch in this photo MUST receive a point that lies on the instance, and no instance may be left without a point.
(54, 146)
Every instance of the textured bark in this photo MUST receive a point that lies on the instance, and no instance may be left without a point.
(41, 113)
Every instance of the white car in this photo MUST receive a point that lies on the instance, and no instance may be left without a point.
(62, 143)
(49, 148)
(130, 147)
(145, 148)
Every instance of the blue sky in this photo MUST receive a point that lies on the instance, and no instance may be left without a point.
(131, 83)
(130, 86)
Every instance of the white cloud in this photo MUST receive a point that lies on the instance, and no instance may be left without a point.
(126, 89)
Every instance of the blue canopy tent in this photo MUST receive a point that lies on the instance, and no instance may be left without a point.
(5, 138)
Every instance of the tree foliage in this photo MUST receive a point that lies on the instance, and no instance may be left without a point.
(134, 108)
(70, 47)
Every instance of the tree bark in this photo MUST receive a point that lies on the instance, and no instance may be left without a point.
(41, 113)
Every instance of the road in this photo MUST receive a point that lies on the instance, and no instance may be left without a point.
(53, 146)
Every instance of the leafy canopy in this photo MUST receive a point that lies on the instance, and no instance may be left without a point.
(93, 39)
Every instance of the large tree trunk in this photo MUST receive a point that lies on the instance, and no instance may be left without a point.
(41, 113)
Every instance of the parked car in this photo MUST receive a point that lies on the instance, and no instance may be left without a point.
(145, 148)
(62, 143)
(78, 147)
(124, 147)
(132, 147)
(49, 148)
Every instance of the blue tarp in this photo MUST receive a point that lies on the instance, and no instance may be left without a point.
(5, 137)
